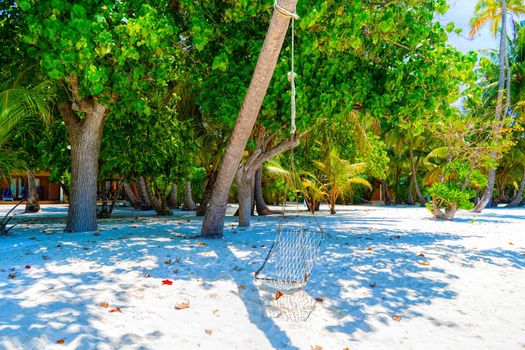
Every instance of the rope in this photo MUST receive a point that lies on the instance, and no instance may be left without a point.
(284, 12)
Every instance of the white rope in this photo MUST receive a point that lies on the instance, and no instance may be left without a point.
(284, 12)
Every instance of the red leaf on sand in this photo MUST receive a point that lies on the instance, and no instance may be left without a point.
(60, 341)
(27, 267)
(167, 282)
(117, 309)
(319, 300)
(104, 305)
(368, 248)
(278, 295)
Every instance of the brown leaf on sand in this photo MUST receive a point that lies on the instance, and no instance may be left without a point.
(278, 295)
(319, 300)
(96, 234)
(372, 285)
(201, 244)
(510, 243)
(421, 255)
(396, 318)
(368, 248)
(85, 248)
(424, 263)
(104, 305)
(147, 275)
(182, 306)
(240, 286)
(317, 347)
(11, 275)
(347, 348)
(60, 341)
(117, 309)
(208, 331)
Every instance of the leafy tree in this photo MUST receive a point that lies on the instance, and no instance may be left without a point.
(100, 53)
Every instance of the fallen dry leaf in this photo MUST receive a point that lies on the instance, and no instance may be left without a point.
(424, 263)
(33, 238)
(215, 312)
(278, 295)
(85, 248)
(208, 331)
(396, 318)
(167, 262)
(176, 271)
(27, 267)
(60, 341)
(104, 305)
(45, 257)
(510, 243)
(319, 300)
(201, 244)
(240, 286)
(167, 282)
(11, 275)
(317, 347)
(117, 309)
(372, 285)
(147, 275)
(96, 234)
(182, 306)
(421, 255)
(347, 348)
(368, 248)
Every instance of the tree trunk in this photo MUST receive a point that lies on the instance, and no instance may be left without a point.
(410, 195)
(246, 184)
(414, 175)
(206, 196)
(438, 214)
(386, 196)
(143, 193)
(519, 197)
(32, 205)
(213, 223)
(173, 202)
(85, 136)
(487, 195)
(262, 208)
(132, 197)
(189, 204)
(451, 212)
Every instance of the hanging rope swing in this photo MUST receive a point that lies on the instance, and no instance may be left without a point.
(291, 259)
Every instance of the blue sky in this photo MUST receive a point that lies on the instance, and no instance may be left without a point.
(460, 13)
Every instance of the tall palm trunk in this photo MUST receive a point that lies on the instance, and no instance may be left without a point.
(410, 195)
(414, 174)
(487, 195)
(519, 197)
(213, 223)
(143, 193)
(189, 204)
(32, 205)
(173, 202)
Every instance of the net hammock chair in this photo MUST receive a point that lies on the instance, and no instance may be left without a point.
(292, 256)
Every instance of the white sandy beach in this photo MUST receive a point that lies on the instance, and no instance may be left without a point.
(423, 284)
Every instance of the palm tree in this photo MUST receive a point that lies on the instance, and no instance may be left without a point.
(339, 177)
(495, 12)
(18, 108)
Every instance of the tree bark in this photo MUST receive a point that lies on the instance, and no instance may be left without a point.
(491, 179)
(246, 184)
(32, 204)
(438, 214)
(451, 212)
(85, 137)
(519, 196)
(262, 208)
(213, 223)
(133, 199)
(143, 193)
(414, 175)
(206, 196)
(410, 195)
(173, 202)
(189, 204)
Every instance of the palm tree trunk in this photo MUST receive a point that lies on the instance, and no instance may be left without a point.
(143, 193)
(213, 223)
(410, 195)
(32, 205)
(245, 182)
(262, 208)
(189, 204)
(487, 195)
(519, 197)
(414, 175)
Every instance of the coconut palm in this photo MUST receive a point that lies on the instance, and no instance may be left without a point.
(496, 12)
